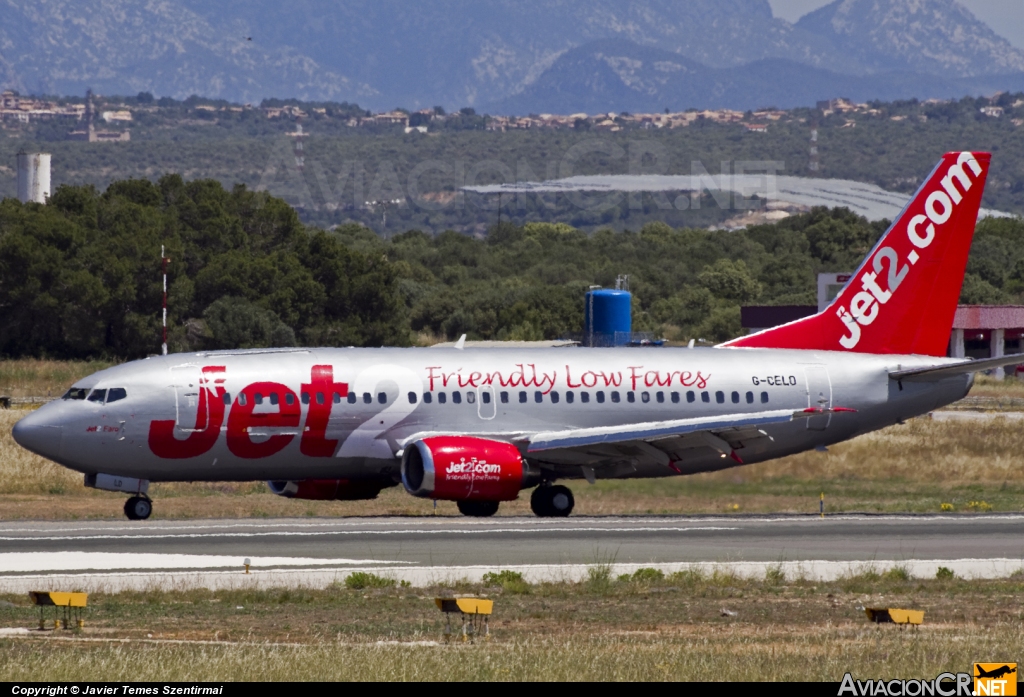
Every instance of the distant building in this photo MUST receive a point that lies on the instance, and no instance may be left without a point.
(122, 115)
(393, 118)
(90, 134)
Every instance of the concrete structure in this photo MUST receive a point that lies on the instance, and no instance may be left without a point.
(758, 317)
(983, 331)
(829, 285)
(33, 177)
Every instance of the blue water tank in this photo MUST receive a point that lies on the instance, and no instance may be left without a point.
(608, 318)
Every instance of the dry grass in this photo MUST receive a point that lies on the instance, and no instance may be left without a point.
(985, 386)
(624, 630)
(28, 377)
(825, 656)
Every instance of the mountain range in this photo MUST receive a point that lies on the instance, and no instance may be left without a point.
(502, 55)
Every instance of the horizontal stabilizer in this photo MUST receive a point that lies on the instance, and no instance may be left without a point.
(937, 372)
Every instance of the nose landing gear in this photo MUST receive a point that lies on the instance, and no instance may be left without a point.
(550, 501)
(138, 508)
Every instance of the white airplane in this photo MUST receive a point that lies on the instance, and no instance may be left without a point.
(478, 426)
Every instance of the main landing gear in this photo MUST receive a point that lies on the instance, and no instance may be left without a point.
(547, 501)
(138, 507)
(550, 501)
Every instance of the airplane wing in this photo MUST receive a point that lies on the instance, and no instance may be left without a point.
(607, 448)
(938, 372)
(652, 431)
(663, 443)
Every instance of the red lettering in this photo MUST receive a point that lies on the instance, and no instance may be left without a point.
(516, 379)
(243, 417)
(702, 380)
(612, 379)
(634, 374)
(686, 379)
(210, 413)
(568, 378)
(474, 379)
(314, 441)
(431, 376)
(589, 379)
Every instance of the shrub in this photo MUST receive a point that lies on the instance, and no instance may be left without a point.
(599, 577)
(688, 578)
(897, 573)
(511, 581)
(358, 580)
(647, 575)
(774, 576)
(945, 574)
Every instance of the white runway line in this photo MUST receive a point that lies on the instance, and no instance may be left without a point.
(22, 562)
(309, 533)
(535, 573)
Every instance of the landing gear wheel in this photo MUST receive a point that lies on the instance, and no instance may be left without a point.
(138, 508)
(478, 509)
(552, 501)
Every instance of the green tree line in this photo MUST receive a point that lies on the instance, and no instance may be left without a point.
(80, 277)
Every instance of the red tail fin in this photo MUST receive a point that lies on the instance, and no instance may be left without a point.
(903, 297)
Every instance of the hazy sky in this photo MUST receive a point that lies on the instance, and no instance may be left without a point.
(1006, 17)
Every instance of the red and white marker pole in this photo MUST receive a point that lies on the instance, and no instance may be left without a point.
(164, 260)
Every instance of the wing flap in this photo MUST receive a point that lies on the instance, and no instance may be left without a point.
(655, 431)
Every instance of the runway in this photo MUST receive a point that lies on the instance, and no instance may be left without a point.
(426, 550)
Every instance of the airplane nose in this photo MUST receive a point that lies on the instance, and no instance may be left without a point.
(36, 434)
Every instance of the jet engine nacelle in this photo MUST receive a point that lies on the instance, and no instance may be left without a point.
(328, 489)
(463, 468)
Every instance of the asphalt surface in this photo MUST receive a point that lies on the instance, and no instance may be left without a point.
(454, 542)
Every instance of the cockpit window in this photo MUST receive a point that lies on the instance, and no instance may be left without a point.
(97, 396)
(76, 393)
(116, 394)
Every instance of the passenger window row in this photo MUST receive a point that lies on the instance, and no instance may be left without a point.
(584, 397)
(319, 397)
(116, 394)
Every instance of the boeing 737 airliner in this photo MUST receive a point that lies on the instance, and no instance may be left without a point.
(478, 426)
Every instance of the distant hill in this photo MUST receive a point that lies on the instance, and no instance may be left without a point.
(618, 75)
(454, 53)
(932, 36)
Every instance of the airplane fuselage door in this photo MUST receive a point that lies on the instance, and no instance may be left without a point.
(819, 395)
(185, 381)
(485, 407)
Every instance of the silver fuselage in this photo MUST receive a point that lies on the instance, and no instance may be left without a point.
(501, 393)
